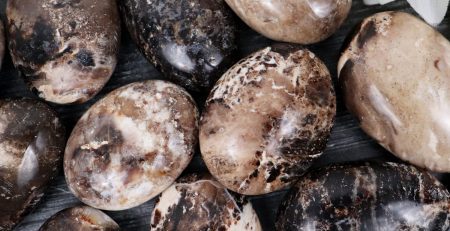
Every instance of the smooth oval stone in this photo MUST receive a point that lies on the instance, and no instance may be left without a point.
(198, 202)
(190, 41)
(82, 218)
(366, 196)
(31, 145)
(131, 145)
(394, 76)
(65, 50)
(267, 119)
(304, 21)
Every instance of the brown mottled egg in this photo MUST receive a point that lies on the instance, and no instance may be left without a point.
(199, 202)
(66, 50)
(267, 119)
(131, 145)
(31, 145)
(80, 218)
(192, 42)
(395, 78)
(366, 196)
(296, 21)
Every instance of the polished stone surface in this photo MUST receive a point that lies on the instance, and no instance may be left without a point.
(267, 119)
(66, 50)
(80, 218)
(198, 202)
(131, 145)
(366, 196)
(192, 42)
(296, 21)
(395, 78)
(31, 145)
(2, 43)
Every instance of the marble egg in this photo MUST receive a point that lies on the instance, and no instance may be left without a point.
(394, 75)
(296, 21)
(366, 196)
(198, 202)
(31, 145)
(65, 50)
(131, 145)
(192, 42)
(267, 119)
(80, 218)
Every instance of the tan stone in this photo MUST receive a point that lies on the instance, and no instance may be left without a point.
(304, 22)
(395, 77)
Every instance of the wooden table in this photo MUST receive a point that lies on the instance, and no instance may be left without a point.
(347, 143)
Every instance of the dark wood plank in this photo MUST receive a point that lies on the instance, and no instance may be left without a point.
(347, 143)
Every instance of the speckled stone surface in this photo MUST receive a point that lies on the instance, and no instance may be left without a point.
(304, 21)
(267, 119)
(66, 50)
(31, 145)
(190, 41)
(198, 202)
(131, 145)
(366, 196)
(395, 78)
(80, 218)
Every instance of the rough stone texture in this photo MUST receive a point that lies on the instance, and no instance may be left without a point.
(190, 41)
(80, 218)
(131, 145)
(304, 22)
(267, 119)
(31, 145)
(65, 49)
(198, 202)
(366, 196)
(394, 75)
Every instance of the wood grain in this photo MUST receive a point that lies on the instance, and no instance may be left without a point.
(347, 143)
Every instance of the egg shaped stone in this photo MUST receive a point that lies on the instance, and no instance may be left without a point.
(31, 145)
(80, 218)
(65, 50)
(191, 42)
(198, 202)
(366, 196)
(394, 75)
(267, 119)
(131, 145)
(304, 21)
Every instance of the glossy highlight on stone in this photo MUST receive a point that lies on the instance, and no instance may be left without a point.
(296, 21)
(395, 78)
(198, 202)
(267, 119)
(366, 196)
(31, 145)
(80, 218)
(65, 50)
(131, 145)
(190, 41)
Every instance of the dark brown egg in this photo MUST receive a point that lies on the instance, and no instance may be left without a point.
(192, 42)
(131, 145)
(31, 145)
(66, 50)
(199, 202)
(366, 196)
(267, 119)
(80, 218)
